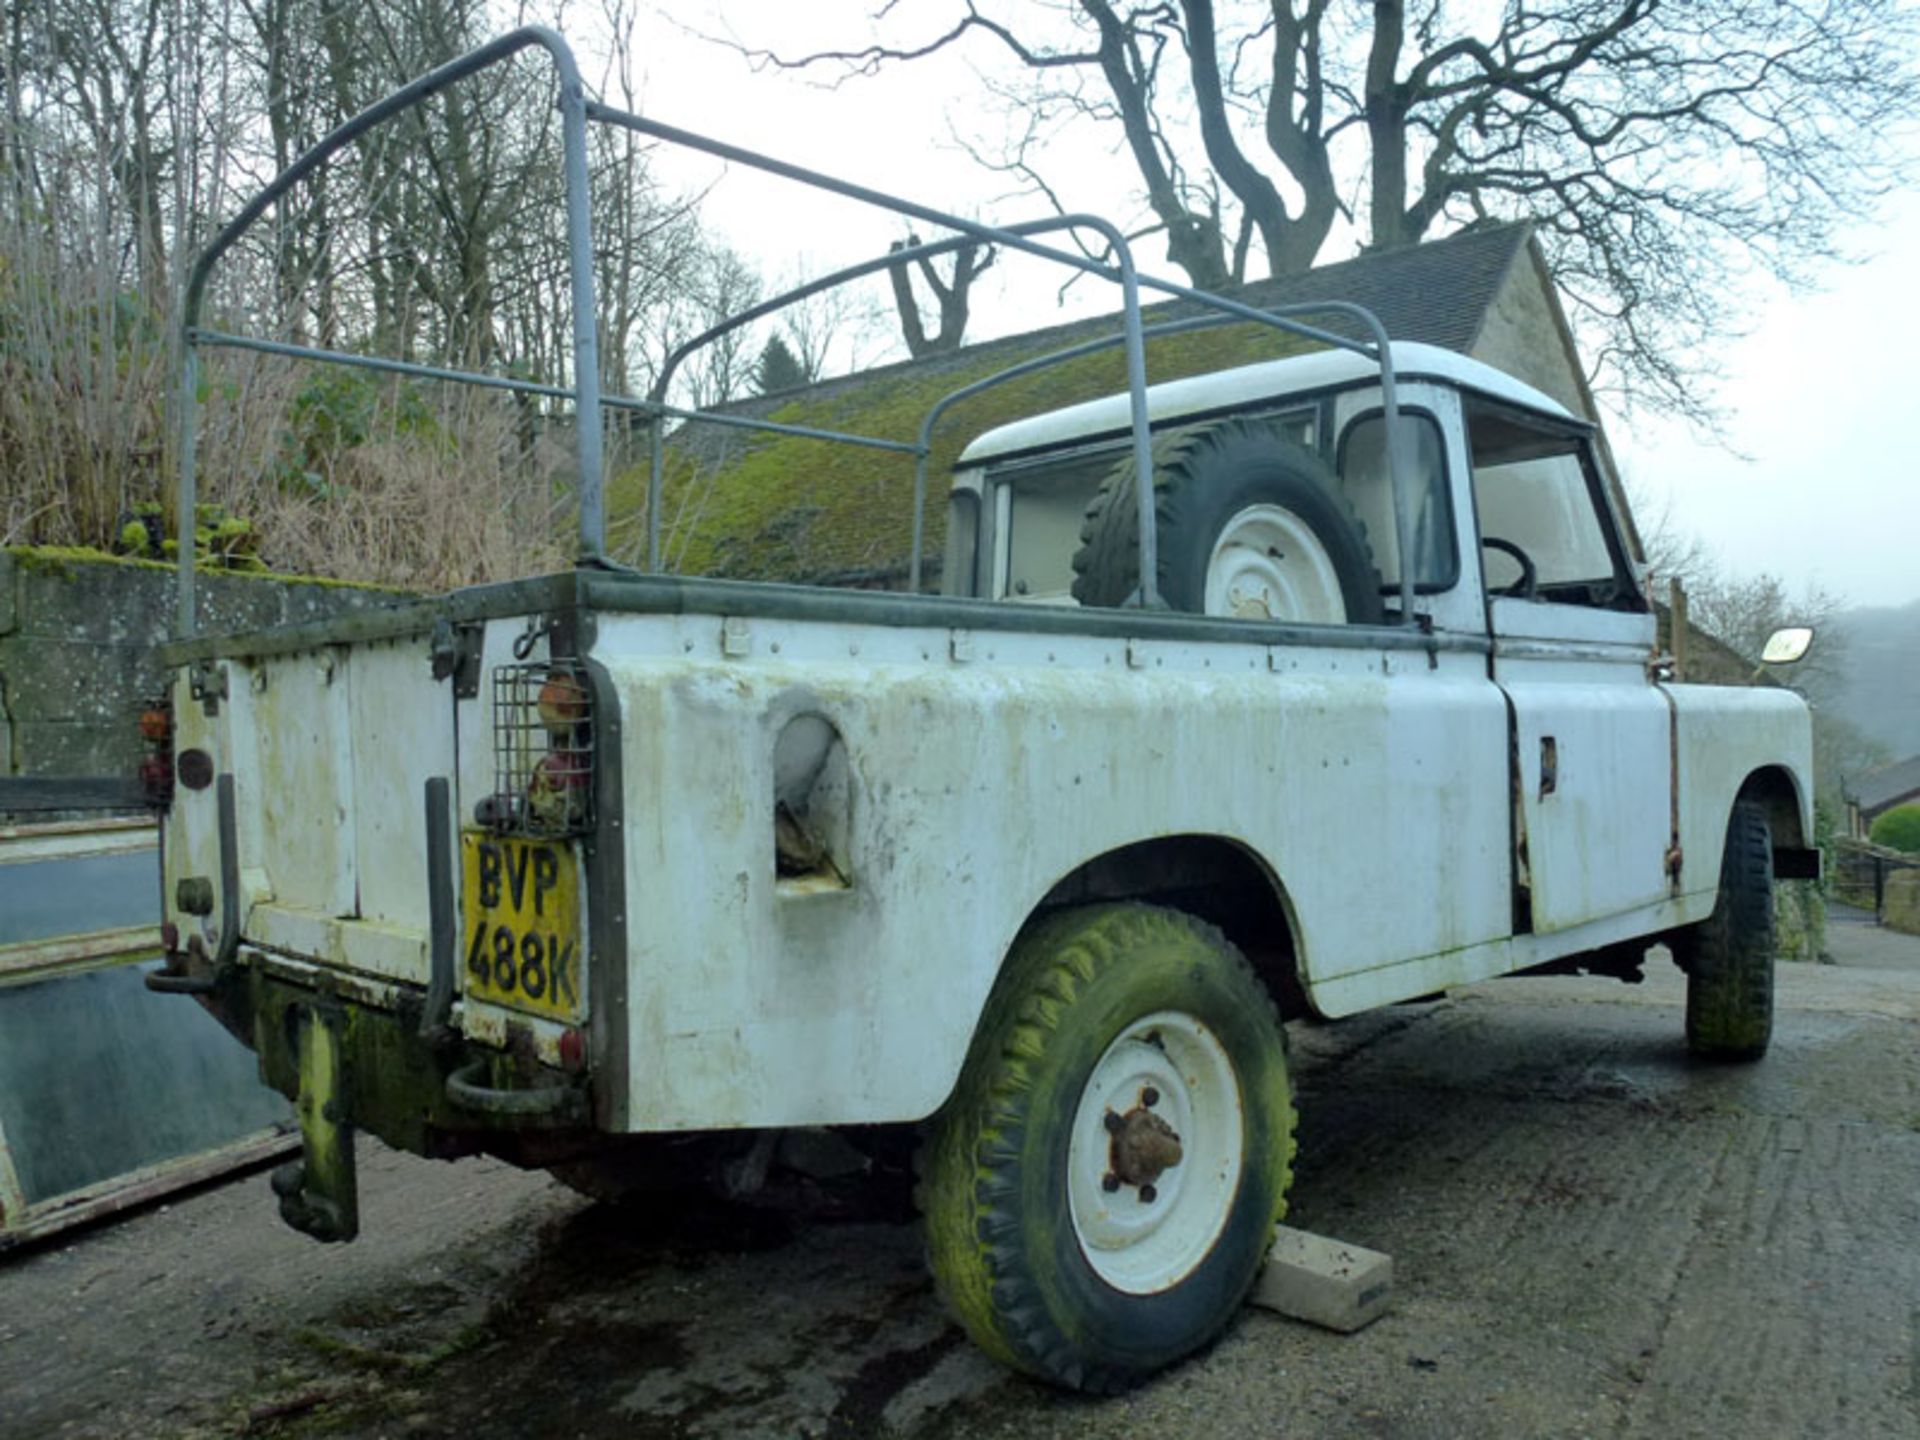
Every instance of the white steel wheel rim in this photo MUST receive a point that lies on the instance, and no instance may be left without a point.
(1145, 1238)
(1268, 565)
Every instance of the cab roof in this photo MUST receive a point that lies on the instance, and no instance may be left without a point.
(1244, 385)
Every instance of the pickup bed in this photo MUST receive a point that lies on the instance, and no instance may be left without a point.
(625, 873)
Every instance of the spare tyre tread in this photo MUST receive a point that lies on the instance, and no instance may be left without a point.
(1106, 565)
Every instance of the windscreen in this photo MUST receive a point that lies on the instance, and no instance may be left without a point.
(1536, 493)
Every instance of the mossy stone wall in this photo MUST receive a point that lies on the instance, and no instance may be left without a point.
(78, 636)
(1901, 910)
(1799, 920)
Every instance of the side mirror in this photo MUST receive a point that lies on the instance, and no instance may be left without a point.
(1788, 645)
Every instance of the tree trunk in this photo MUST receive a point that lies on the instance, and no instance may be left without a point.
(1386, 109)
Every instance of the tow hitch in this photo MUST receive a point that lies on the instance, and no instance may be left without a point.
(319, 1192)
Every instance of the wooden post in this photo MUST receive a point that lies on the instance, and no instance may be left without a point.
(1677, 624)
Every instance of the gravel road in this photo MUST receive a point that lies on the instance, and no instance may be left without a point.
(1593, 1236)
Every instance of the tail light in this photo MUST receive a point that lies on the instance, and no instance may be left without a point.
(542, 749)
(156, 764)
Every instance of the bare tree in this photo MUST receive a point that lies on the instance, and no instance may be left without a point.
(839, 331)
(1667, 151)
(951, 295)
(716, 283)
(134, 128)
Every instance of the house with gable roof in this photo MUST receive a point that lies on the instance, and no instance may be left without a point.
(1879, 790)
(780, 507)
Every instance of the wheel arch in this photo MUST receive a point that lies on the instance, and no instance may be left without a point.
(1774, 788)
(1216, 878)
(1777, 791)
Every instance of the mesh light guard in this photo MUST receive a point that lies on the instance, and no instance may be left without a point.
(542, 748)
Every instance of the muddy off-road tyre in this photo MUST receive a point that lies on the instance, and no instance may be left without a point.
(1100, 1191)
(1729, 956)
(1249, 524)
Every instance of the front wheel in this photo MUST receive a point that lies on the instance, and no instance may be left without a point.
(1729, 956)
(1101, 1189)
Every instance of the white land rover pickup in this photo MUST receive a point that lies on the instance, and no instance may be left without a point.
(607, 870)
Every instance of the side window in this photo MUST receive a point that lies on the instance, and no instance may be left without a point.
(1045, 506)
(1539, 501)
(1368, 483)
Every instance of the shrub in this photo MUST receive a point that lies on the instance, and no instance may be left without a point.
(1898, 829)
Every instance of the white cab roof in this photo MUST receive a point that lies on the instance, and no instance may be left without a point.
(1249, 385)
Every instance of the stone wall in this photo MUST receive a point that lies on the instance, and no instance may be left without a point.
(1799, 920)
(1901, 910)
(78, 633)
(1521, 335)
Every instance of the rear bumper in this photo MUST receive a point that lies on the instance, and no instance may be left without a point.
(434, 1094)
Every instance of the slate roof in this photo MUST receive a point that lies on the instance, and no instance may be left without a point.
(760, 507)
(1439, 292)
(1881, 789)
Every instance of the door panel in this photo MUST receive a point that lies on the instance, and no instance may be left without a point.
(1593, 746)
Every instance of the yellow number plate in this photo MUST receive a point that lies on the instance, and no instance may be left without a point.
(521, 905)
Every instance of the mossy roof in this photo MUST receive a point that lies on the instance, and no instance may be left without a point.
(770, 507)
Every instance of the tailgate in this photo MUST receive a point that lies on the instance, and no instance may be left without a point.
(323, 756)
(368, 800)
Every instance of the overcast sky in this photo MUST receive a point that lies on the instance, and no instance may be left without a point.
(1815, 394)
(1818, 397)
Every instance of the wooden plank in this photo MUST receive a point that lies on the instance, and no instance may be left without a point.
(124, 832)
(123, 1192)
(34, 794)
(39, 959)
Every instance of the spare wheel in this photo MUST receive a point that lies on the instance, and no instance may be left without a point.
(1251, 525)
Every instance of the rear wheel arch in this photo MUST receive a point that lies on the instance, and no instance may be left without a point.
(1214, 878)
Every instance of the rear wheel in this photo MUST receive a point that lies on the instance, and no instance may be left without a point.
(1729, 956)
(1102, 1187)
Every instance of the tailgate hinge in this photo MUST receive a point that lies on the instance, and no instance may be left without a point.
(455, 652)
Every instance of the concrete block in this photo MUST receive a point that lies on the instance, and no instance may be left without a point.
(230, 604)
(301, 603)
(106, 601)
(79, 680)
(1324, 1282)
(74, 748)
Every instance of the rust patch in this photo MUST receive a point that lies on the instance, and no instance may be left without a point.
(195, 768)
(1144, 1146)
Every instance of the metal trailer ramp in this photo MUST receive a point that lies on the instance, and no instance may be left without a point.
(109, 1095)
